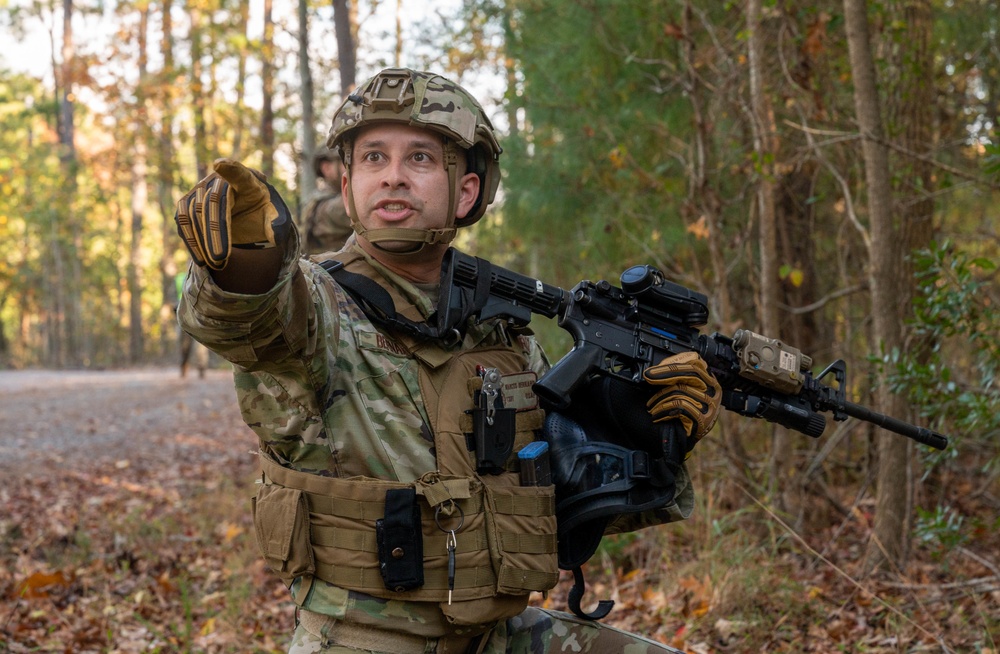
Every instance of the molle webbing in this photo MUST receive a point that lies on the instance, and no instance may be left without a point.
(342, 515)
(505, 545)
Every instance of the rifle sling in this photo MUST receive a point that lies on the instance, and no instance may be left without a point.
(375, 301)
(377, 304)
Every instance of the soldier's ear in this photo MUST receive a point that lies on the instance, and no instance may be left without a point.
(468, 192)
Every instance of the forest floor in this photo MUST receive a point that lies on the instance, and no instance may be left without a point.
(125, 527)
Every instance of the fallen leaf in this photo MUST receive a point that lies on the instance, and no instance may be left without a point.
(39, 584)
(208, 627)
(232, 531)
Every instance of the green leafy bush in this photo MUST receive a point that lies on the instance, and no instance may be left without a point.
(954, 378)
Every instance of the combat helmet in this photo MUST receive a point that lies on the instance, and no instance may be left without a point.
(323, 154)
(429, 101)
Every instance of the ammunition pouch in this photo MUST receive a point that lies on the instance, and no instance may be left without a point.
(400, 543)
(281, 525)
(506, 546)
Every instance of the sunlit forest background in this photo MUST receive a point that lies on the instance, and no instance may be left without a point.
(827, 173)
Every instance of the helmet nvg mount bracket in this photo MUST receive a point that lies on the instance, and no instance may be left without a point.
(428, 101)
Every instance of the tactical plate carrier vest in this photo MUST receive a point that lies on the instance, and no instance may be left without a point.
(388, 539)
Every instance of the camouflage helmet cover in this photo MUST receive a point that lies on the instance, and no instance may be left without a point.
(323, 154)
(426, 100)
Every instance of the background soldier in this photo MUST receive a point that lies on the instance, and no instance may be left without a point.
(324, 225)
(376, 506)
(190, 349)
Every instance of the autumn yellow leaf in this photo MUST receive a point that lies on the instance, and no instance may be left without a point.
(617, 160)
(208, 627)
(655, 599)
(699, 228)
(793, 274)
(699, 598)
(232, 531)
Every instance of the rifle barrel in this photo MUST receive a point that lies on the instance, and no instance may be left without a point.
(919, 434)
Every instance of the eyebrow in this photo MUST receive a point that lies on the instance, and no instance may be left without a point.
(426, 144)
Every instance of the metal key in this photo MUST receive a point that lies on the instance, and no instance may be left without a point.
(451, 543)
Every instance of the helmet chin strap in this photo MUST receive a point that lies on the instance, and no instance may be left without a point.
(420, 238)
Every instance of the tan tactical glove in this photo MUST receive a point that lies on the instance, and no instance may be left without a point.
(689, 394)
(234, 206)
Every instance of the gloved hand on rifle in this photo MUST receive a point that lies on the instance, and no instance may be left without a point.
(233, 206)
(688, 393)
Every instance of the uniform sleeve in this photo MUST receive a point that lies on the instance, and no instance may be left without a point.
(251, 330)
(680, 509)
(538, 361)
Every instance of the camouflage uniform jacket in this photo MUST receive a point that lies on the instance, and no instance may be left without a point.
(329, 394)
(325, 225)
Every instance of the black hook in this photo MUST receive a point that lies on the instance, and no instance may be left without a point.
(576, 594)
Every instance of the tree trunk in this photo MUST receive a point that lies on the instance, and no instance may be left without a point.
(139, 196)
(241, 74)
(704, 200)
(891, 534)
(345, 20)
(71, 347)
(512, 97)
(307, 173)
(267, 88)
(765, 148)
(165, 185)
(198, 94)
(913, 112)
(399, 32)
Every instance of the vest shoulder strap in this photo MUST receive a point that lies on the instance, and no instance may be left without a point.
(375, 301)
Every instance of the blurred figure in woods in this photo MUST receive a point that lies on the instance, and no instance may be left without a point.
(324, 225)
(191, 350)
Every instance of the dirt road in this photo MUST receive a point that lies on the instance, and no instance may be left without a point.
(124, 418)
(126, 494)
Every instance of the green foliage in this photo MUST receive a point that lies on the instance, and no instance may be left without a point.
(954, 381)
(991, 162)
(614, 548)
(598, 177)
(941, 528)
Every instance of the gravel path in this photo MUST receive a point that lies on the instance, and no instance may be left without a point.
(82, 420)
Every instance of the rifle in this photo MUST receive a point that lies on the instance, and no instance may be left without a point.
(620, 332)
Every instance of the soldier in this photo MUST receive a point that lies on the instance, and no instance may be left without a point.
(371, 507)
(324, 225)
(190, 349)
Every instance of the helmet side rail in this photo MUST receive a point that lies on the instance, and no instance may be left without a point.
(621, 331)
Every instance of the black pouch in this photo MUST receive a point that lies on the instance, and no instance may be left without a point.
(494, 441)
(400, 544)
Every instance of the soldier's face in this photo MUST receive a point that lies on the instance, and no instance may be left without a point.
(399, 179)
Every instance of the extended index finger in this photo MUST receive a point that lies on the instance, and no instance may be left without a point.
(242, 179)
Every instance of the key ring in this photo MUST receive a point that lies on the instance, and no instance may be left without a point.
(437, 517)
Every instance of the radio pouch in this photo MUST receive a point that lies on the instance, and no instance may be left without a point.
(494, 438)
(400, 544)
